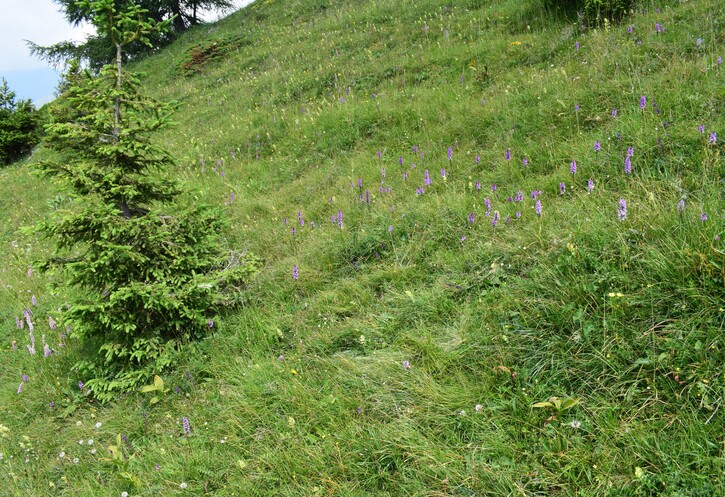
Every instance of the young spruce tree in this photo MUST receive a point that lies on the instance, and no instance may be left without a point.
(147, 273)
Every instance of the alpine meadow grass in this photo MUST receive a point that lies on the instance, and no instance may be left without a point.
(491, 262)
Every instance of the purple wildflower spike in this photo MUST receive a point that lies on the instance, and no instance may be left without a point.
(622, 209)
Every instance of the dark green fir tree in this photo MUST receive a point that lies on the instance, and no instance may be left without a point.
(145, 273)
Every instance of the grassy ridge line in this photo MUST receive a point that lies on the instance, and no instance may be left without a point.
(305, 390)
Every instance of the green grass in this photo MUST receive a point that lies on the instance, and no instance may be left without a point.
(303, 390)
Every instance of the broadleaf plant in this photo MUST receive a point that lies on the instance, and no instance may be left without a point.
(148, 272)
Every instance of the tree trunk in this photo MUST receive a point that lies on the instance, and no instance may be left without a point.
(117, 101)
(179, 24)
(126, 211)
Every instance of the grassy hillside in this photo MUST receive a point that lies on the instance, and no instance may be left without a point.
(506, 231)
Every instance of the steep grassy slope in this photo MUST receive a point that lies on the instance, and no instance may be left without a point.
(565, 244)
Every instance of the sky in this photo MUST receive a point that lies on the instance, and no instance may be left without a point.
(41, 22)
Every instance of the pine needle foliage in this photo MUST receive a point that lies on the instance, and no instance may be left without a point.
(149, 272)
(20, 124)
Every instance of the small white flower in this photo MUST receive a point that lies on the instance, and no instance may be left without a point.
(98, 425)
(479, 408)
(75, 460)
(80, 442)
(124, 494)
(183, 485)
(90, 441)
(78, 423)
(462, 413)
(61, 455)
(93, 451)
(575, 423)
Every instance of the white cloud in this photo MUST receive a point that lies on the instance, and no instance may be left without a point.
(37, 20)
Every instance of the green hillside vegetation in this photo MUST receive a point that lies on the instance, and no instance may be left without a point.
(491, 263)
